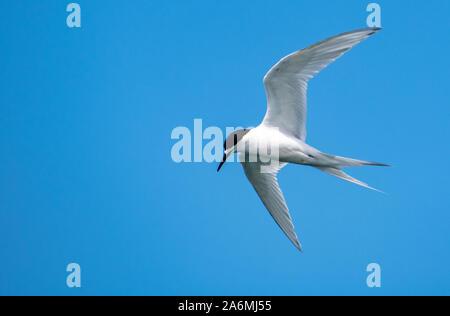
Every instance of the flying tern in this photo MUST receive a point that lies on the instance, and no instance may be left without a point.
(285, 126)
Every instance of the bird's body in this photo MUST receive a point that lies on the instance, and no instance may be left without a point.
(281, 137)
(290, 149)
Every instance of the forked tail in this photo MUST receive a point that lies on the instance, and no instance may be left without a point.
(341, 162)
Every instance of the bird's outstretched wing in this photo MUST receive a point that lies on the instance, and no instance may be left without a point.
(266, 185)
(286, 83)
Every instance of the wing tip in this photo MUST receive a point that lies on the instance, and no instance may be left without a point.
(370, 31)
(374, 30)
(298, 245)
(377, 164)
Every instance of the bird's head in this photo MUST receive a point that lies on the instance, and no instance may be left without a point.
(230, 144)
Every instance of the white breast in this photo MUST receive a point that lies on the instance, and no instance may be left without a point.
(269, 143)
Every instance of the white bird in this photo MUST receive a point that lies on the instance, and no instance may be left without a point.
(283, 129)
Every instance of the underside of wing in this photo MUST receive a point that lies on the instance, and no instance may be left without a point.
(286, 83)
(266, 185)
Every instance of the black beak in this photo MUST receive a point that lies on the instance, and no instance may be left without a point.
(223, 161)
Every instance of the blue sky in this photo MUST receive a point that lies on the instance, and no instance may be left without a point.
(86, 174)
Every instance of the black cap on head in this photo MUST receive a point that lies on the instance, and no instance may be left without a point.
(234, 138)
(232, 141)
